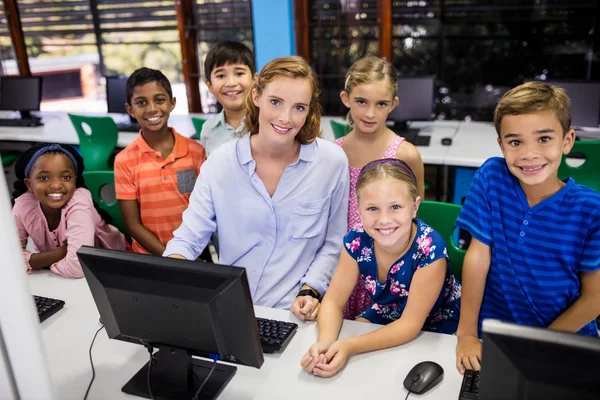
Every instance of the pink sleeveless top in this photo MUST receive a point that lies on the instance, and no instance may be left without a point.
(353, 216)
(360, 300)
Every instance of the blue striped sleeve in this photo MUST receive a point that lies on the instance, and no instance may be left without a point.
(590, 256)
(475, 216)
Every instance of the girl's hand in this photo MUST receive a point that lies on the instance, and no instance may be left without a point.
(468, 353)
(335, 358)
(314, 355)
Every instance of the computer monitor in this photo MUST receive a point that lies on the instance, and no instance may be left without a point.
(521, 362)
(116, 95)
(183, 308)
(415, 102)
(23, 368)
(21, 93)
(585, 102)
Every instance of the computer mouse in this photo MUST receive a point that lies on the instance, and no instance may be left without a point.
(447, 141)
(423, 377)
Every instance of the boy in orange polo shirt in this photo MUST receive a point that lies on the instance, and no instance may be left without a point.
(155, 174)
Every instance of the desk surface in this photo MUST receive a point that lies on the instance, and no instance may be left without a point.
(67, 336)
(57, 128)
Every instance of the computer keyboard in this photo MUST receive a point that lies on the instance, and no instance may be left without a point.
(275, 335)
(470, 386)
(20, 122)
(47, 307)
(124, 127)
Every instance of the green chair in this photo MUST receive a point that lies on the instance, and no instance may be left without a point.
(198, 122)
(96, 147)
(586, 174)
(442, 217)
(95, 181)
(339, 129)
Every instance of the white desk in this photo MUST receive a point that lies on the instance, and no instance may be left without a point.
(378, 375)
(57, 128)
(474, 143)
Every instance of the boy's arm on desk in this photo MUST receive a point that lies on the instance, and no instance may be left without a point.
(131, 216)
(474, 275)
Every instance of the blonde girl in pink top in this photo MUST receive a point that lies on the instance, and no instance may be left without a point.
(54, 208)
(370, 94)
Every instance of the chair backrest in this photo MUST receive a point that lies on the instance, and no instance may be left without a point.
(95, 181)
(198, 122)
(442, 217)
(339, 129)
(97, 147)
(587, 173)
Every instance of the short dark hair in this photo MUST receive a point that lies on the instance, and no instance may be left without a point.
(145, 75)
(228, 52)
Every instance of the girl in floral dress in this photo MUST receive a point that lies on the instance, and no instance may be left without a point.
(402, 263)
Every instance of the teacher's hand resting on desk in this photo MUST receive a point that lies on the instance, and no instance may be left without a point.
(306, 305)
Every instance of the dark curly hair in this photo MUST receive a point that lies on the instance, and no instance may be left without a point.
(20, 187)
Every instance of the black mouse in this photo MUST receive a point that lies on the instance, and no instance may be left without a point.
(447, 141)
(423, 377)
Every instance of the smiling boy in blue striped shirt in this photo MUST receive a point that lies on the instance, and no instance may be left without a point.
(534, 258)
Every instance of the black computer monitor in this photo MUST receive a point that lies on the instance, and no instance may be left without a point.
(415, 102)
(521, 362)
(183, 308)
(585, 102)
(21, 93)
(116, 95)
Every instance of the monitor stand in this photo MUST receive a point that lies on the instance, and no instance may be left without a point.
(411, 135)
(176, 375)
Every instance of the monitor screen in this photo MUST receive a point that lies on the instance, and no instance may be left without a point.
(116, 94)
(187, 307)
(20, 93)
(415, 99)
(521, 362)
(585, 102)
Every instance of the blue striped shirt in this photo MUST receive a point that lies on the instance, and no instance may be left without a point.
(537, 252)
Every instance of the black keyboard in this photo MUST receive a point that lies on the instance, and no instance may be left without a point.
(470, 386)
(20, 122)
(275, 335)
(47, 307)
(124, 127)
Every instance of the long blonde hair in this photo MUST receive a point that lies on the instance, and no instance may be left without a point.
(368, 70)
(292, 67)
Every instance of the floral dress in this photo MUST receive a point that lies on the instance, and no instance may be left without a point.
(390, 297)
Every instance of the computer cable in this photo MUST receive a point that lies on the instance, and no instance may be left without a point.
(196, 396)
(150, 349)
(92, 363)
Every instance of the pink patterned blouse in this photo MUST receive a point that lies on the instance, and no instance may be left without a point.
(359, 299)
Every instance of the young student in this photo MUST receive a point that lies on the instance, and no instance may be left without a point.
(54, 208)
(155, 174)
(229, 67)
(370, 94)
(534, 256)
(277, 197)
(393, 254)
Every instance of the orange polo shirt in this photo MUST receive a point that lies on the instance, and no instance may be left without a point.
(162, 187)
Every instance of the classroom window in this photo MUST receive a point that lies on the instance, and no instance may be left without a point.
(61, 47)
(219, 20)
(340, 32)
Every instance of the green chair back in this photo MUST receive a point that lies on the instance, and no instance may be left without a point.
(9, 157)
(339, 129)
(198, 122)
(95, 181)
(586, 174)
(442, 217)
(97, 147)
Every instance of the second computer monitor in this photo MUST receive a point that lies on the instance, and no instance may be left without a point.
(415, 100)
(21, 93)
(525, 363)
(585, 102)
